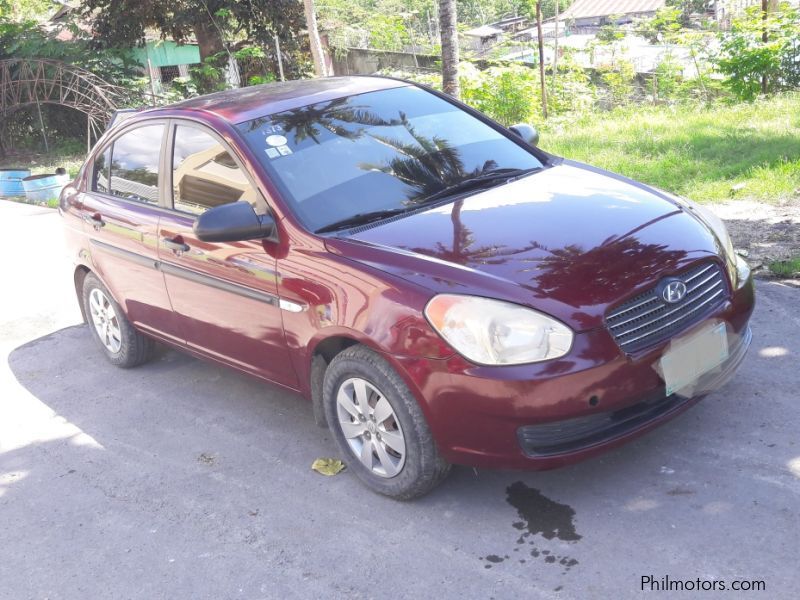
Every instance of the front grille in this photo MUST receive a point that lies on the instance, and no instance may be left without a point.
(647, 319)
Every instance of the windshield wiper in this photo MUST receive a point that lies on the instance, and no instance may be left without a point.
(361, 219)
(480, 181)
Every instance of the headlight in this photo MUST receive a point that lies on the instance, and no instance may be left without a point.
(717, 227)
(492, 332)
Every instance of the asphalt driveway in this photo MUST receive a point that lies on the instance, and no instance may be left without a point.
(182, 479)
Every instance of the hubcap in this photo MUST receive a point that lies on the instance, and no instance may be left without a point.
(105, 320)
(370, 426)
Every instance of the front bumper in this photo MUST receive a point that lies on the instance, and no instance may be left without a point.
(581, 433)
(547, 415)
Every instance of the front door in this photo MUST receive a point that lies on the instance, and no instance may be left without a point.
(224, 294)
(120, 209)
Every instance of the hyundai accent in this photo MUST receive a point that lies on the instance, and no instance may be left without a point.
(439, 288)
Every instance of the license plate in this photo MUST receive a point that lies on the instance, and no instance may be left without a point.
(688, 359)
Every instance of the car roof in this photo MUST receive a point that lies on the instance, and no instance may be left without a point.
(247, 103)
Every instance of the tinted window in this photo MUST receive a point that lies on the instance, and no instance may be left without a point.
(100, 173)
(134, 164)
(381, 150)
(204, 174)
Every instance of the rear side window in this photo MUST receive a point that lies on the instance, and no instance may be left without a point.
(100, 173)
(204, 174)
(134, 164)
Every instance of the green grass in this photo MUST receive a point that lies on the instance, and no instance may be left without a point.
(708, 154)
(786, 268)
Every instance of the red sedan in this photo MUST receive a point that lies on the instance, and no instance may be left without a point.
(439, 288)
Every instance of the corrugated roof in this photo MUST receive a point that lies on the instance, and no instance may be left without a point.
(484, 31)
(582, 9)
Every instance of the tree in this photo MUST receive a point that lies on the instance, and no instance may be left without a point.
(761, 53)
(449, 35)
(123, 23)
(320, 66)
(687, 8)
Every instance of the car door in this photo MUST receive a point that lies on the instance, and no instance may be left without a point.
(224, 294)
(120, 209)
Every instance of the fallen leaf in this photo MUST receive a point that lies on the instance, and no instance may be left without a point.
(327, 466)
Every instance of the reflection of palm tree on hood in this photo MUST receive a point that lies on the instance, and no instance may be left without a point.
(428, 164)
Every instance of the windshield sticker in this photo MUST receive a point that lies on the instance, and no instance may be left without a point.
(276, 140)
(272, 152)
(284, 150)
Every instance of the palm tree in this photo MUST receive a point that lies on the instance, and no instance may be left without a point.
(449, 35)
(320, 67)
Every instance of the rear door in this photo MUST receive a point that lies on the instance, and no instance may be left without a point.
(121, 211)
(224, 294)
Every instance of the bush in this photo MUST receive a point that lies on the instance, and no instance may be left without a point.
(508, 94)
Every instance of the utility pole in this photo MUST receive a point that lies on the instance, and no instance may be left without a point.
(765, 39)
(541, 56)
(555, 51)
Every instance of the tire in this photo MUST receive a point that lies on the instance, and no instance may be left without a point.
(401, 471)
(121, 344)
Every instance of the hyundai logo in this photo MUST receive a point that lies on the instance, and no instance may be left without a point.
(673, 292)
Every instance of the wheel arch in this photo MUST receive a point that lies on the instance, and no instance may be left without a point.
(81, 271)
(321, 355)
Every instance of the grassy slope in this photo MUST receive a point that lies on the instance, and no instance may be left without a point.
(700, 153)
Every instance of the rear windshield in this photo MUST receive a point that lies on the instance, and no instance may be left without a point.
(377, 151)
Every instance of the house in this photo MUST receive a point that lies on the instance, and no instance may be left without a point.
(480, 39)
(587, 16)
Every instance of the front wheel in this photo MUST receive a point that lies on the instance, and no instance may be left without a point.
(379, 426)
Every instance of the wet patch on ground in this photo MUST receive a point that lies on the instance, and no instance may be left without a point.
(539, 517)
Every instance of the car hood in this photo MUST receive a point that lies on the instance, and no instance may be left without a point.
(570, 240)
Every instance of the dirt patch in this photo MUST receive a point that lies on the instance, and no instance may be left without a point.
(763, 232)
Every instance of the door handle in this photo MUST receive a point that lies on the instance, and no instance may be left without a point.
(94, 220)
(177, 244)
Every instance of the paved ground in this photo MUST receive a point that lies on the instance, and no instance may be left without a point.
(181, 479)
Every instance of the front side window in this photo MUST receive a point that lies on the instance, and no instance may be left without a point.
(388, 150)
(204, 174)
(134, 164)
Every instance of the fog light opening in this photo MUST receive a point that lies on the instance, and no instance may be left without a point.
(594, 401)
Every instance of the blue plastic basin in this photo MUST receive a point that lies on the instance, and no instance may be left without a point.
(11, 181)
(41, 188)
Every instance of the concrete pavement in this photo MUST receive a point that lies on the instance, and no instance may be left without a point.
(182, 479)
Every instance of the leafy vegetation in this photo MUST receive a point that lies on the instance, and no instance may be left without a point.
(761, 53)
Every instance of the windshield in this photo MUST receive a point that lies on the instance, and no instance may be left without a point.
(381, 151)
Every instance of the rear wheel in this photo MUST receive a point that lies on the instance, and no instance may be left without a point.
(379, 426)
(122, 345)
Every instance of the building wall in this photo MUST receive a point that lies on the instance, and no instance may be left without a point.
(167, 53)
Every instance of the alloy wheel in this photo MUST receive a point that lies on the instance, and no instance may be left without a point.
(370, 426)
(105, 321)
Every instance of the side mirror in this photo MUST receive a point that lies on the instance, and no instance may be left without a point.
(234, 222)
(528, 133)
